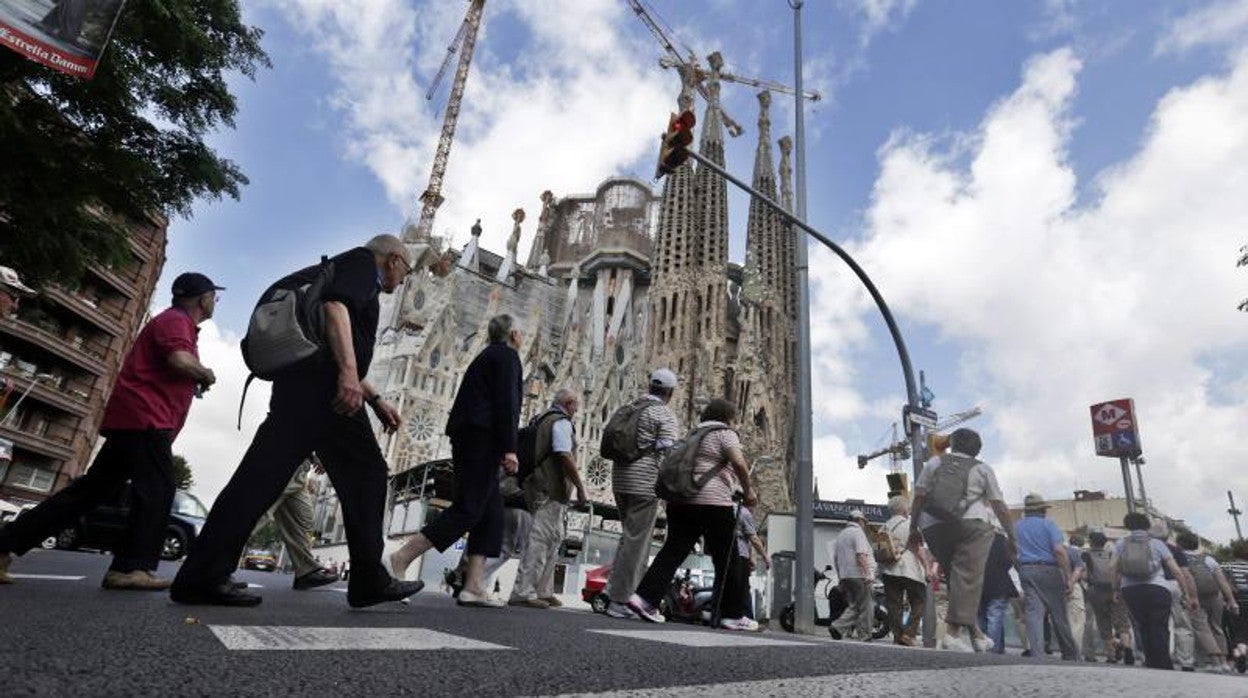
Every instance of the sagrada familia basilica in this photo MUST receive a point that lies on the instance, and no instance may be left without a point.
(617, 283)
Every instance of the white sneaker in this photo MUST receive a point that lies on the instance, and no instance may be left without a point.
(619, 610)
(644, 610)
(982, 643)
(467, 598)
(748, 625)
(957, 643)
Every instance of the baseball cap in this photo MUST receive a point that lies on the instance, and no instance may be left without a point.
(663, 378)
(857, 514)
(9, 279)
(191, 284)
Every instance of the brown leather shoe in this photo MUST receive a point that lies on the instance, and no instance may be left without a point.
(531, 603)
(6, 559)
(138, 580)
(552, 601)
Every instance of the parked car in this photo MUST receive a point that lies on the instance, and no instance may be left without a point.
(100, 528)
(260, 560)
(595, 584)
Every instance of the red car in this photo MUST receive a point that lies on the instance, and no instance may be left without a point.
(595, 583)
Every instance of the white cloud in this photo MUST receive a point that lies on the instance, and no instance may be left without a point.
(211, 443)
(1054, 306)
(879, 15)
(1218, 23)
(564, 111)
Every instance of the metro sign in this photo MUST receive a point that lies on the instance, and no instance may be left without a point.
(1114, 429)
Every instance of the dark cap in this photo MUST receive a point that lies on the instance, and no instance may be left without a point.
(193, 284)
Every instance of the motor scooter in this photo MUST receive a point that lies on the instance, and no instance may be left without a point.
(686, 602)
(828, 588)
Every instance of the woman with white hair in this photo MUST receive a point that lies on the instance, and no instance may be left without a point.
(905, 579)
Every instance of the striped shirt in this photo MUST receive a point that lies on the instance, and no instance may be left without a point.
(656, 430)
(711, 452)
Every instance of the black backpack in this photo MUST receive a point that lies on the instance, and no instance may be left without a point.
(526, 445)
(287, 326)
(619, 438)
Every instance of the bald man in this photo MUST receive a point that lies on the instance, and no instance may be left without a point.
(316, 405)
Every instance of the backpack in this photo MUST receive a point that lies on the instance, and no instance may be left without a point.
(619, 438)
(882, 547)
(1101, 571)
(1136, 560)
(287, 326)
(526, 445)
(676, 481)
(945, 497)
(1206, 583)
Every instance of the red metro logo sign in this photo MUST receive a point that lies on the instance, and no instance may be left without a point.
(1115, 430)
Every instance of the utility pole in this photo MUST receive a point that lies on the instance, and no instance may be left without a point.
(1234, 512)
(1126, 482)
(803, 587)
(1139, 476)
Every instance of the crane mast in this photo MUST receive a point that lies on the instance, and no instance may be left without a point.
(465, 42)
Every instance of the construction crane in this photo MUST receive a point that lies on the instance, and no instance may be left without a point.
(900, 449)
(464, 44)
(689, 61)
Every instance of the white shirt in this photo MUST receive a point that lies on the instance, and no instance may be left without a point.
(907, 564)
(851, 543)
(981, 488)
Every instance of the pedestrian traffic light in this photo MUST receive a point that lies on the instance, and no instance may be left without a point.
(675, 147)
(898, 483)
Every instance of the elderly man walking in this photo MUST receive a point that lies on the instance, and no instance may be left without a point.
(548, 495)
(856, 568)
(147, 409)
(956, 496)
(1045, 570)
(316, 405)
(483, 426)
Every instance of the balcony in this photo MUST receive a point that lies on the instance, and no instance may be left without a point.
(83, 309)
(123, 282)
(89, 361)
(52, 446)
(74, 402)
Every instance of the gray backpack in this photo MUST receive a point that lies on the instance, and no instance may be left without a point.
(945, 496)
(1136, 560)
(676, 481)
(619, 438)
(1101, 571)
(1206, 582)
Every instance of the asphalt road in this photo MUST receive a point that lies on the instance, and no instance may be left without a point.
(69, 637)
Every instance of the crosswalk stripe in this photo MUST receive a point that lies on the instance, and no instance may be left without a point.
(967, 681)
(52, 577)
(699, 638)
(290, 637)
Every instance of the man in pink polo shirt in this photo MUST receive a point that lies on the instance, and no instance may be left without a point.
(144, 415)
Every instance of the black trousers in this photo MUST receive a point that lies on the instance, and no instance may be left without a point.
(478, 505)
(904, 594)
(145, 458)
(686, 523)
(1150, 608)
(300, 421)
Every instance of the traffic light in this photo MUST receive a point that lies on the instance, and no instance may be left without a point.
(898, 483)
(675, 147)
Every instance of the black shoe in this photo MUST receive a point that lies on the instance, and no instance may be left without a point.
(1026, 653)
(455, 581)
(315, 578)
(222, 595)
(1128, 656)
(836, 634)
(396, 590)
(235, 584)
(1189, 668)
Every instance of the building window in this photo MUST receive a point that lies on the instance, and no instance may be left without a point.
(28, 477)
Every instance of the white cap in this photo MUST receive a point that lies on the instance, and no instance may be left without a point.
(857, 514)
(663, 378)
(10, 279)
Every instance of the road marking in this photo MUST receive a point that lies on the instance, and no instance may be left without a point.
(290, 637)
(988, 681)
(52, 577)
(698, 638)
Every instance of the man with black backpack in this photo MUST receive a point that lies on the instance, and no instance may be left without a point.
(956, 496)
(547, 493)
(317, 404)
(1112, 620)
(634, 440)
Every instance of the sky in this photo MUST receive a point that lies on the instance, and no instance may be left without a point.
(1050, 195)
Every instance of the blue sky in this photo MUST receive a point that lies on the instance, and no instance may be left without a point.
(1049, 194)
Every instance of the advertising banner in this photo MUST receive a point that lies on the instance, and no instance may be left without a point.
(67, 35)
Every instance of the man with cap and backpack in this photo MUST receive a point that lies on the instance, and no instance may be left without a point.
(634, 440)
(1140, 564)
(956, 496)
(148, 407)
(1112, 620)
(1214, 593)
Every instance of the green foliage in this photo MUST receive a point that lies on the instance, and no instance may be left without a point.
(183, 478)
(85, 158)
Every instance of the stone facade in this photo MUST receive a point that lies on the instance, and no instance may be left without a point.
(617, 283)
